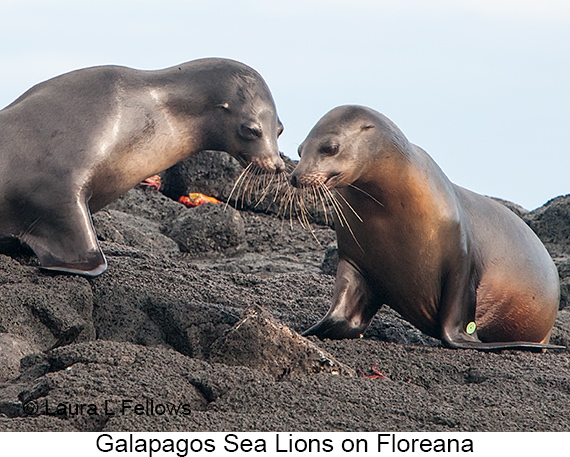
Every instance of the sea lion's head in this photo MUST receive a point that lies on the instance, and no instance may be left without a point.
(241, 114)
(343, 146)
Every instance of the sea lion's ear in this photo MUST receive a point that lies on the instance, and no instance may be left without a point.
(223, 105)
(366, 126)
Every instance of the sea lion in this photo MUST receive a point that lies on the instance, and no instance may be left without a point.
(73, 144)
(459, 266)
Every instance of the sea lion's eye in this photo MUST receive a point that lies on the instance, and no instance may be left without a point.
(330, 149)
(280, 129)
(250, 131)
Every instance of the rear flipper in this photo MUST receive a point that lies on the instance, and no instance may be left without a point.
(472, 342)
(457, 316)
(64, 240)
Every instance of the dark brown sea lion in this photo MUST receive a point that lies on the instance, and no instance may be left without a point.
(73, 144)
(459, 266)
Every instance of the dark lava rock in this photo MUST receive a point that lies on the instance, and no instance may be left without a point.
(130, 230)
(330, 261)
(152, 205)
(209, 227)
(211, 173)
(107, 386)
(551, 223)
(46, 310)
(258, 341)
(517, 209)
(563, 265)
(12, 349)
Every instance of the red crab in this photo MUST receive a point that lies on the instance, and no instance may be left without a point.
(152, 182)
(375, 374)
(195, 199)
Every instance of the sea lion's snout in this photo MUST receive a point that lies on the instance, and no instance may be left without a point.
(271, 165)
(315, 179)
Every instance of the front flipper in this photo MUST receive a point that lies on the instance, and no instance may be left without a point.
(64, 240)
(351, 311)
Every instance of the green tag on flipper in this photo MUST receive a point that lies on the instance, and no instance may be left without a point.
(471, 327)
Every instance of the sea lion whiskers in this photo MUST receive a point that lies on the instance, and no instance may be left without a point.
(238, 181)
(318, 198)
(293, 201)
(292, 198)
(333, 201)
(350, 206)
(366, 193)
(283, 201)
(282, 181)
(340, 214)
(328, 197)
(305, 213)
(301, 210)
(247, 186)
(253, 186)
(296, 197)
(289, 204)
(266, 186)
(304, 220)
(275, 184)
(260, 186)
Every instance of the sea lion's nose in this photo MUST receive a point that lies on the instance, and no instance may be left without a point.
(293, 180)
(280, 166)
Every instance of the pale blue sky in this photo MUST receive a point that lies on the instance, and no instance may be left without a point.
(482, 85)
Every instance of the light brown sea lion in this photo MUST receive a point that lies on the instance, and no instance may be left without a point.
(459, 266)
(73, 144)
